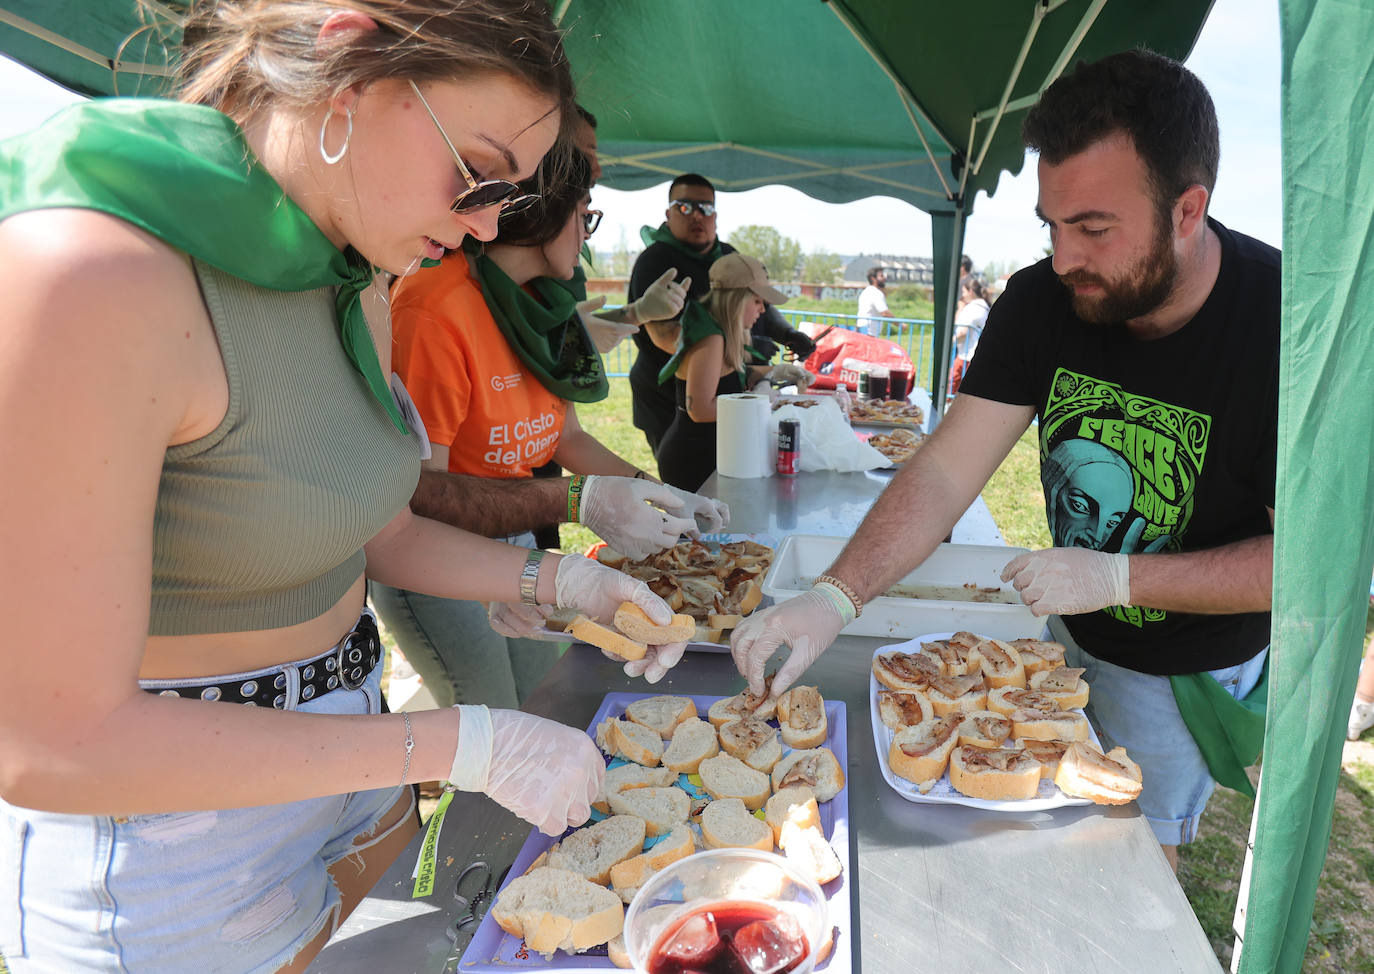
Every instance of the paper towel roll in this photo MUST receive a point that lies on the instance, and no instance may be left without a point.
(744, 440)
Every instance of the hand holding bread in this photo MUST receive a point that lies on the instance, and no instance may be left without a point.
(600, 593)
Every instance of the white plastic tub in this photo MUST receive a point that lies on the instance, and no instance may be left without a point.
(939, 596)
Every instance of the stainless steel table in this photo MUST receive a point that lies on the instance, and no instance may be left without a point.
(936, 888)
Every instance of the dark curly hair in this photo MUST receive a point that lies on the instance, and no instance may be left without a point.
(560, 192)
(1155, 101)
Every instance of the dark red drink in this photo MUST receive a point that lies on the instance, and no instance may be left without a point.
(897, 380)
(731, 938)
(877, 385)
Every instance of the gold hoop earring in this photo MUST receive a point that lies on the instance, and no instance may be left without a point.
(333, 158)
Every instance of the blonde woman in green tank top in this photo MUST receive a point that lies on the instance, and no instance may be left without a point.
(185, 286)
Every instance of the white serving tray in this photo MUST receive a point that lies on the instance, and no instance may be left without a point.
(941, 590)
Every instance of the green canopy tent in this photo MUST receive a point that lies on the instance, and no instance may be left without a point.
(923, 102)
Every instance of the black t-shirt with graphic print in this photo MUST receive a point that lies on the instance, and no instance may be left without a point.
(1161, 445)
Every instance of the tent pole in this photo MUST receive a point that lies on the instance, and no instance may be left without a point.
(947, 245)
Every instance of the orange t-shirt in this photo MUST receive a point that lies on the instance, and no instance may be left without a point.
(471, 389)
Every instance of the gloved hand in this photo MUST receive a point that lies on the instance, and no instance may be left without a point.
(635, 517)
(605, 334)
(662, 300)
(543, 771)
(808, 623)
(1069, 581)
(709, 514)
(597, 591)
(516, 619)
(786, 373)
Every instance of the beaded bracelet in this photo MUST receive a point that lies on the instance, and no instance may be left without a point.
(849, 593)
(575, 498)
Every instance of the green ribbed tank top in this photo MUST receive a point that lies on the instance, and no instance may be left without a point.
(260, 524)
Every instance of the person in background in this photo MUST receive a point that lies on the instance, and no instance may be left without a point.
(1112, 343)
(493, 353)
(968, 328)
(686, 243)
(873, 302)
(1362, 707)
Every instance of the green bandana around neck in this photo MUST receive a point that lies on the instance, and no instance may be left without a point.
(545, 332)
(185, 174)
(663, 235)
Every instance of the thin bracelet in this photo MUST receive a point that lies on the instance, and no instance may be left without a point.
(529, 576)
(575, 497)
(849, 593)
(410, 746)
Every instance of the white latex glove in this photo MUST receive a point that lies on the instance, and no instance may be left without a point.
(709, 514)
(635, 517)
(1069, 581)
(787, 373)
(808, 623)
(597, 591)
(662, 300)
(543, 771)
(605, 334)
(516, 619)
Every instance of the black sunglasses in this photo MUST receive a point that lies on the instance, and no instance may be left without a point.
(685, 207)
(591, 220)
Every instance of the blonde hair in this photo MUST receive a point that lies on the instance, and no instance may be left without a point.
(726, 305)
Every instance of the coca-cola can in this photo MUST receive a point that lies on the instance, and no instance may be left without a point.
(789, 448)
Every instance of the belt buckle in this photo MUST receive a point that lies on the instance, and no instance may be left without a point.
(351, 658)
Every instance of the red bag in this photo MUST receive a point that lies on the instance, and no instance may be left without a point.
(833, 347)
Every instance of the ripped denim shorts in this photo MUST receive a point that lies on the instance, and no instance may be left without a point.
(205, 892)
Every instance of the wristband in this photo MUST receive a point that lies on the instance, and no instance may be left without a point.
(410, 746)
(472, 758)
(846, 591)
(575, 488)
(529, 576)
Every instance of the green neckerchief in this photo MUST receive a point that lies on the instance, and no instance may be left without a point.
(185, 174)
(663, 235)
(1228, 732)
(697, 324)
(546, 332)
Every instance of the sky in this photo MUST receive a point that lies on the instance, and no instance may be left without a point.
(1236, 56)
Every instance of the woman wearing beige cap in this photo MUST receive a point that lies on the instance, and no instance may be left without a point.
(713, 359)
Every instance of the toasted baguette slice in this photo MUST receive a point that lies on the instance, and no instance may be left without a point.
(694, 741)
(806, 848)
(753, 595)
(617, 953)
(995, 774)
(635, 623)
(1047, 753)
(708, 634)
(1037, 654)
(724, 620)
(902, 708)
(801, 715)
(983, 728)
(661, 714)
(725, 776)
(611, 558)
(592, 851)
(1001, 664)
(626, 776)
(816, 767)
(752, 741)
(905, 671)
(727, 824)
(1064, 684)
(1107, 779)
(953, 658)
(663, 809)
(1007, 700)
(631, 741)
(796, 803)
(555, 909)
(630, 874)
(743, 705)
(920, 753)
(1064, 725)
(957, 694)
(603, 637)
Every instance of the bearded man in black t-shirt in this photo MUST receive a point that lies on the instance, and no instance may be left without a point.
(1147, 347)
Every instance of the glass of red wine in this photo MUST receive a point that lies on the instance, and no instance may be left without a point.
(728, 911)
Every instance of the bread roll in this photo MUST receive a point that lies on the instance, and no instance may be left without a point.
(801, 714)
(726, 621)
(953, 658)
(994, 774)
(611, 558)
(626, 776)
(663, 809)
(1107, 779)
(693, 741)
(752, 741)
(1001, 664)
(806, 848)
(631, 741)
(983, 728)
(957, 694)
(727, 824)
(1063, 725)
(603, 637)
(904, 671)
(1038, 655)
(724, 776)
(920, 753)
(661, 713)
(1064, 685)
(1006, 700)
(744, 705)
(635, 623)
(554, 909)
(902, 708)
(796, 803)
(816, 767)
(629, 874)
(592, 851)
(1046, 753)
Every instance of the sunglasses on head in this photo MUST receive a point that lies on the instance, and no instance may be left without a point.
(591, 220)
(487, 192)
(685, 207)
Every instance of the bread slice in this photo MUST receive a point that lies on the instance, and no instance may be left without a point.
(920, 753)
(662, 809)
(611, 558)
(709, 634)
(796, 803)
(1063, 725)
(724, 620)
(801, 715)
(661, 713)
(617, 953)
(753, 742)
(694, 740)
(1001, 664)
(725, 776)
(743, 705)
(807, 849)
(995, 774)
(629, 874)
(983, 728)
(1007, 700)
(628, 740)
(1063, 684)
(1038, 654)
(957, 694)
(902, 708)
(1107, 779)
(635, 623)
(592, 851)
(904, 671)
(555, 909)
(603, 637)
(953, 658)
(727, 824)
(626, 776)
(816, 767)
(1047, 753)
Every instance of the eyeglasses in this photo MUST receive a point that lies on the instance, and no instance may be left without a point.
(478, 195)
(685, 207)
(591, 220)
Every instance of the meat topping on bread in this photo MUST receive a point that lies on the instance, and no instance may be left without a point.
(935, 734)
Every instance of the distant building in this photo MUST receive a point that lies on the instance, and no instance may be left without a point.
(900, 270)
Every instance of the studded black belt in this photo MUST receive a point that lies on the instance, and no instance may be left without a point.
(346, 665)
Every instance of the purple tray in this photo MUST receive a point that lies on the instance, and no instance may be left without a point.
(492, 949)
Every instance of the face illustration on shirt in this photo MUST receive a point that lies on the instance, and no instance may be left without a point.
(1088, 493)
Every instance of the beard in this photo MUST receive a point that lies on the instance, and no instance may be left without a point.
(1144, 286)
